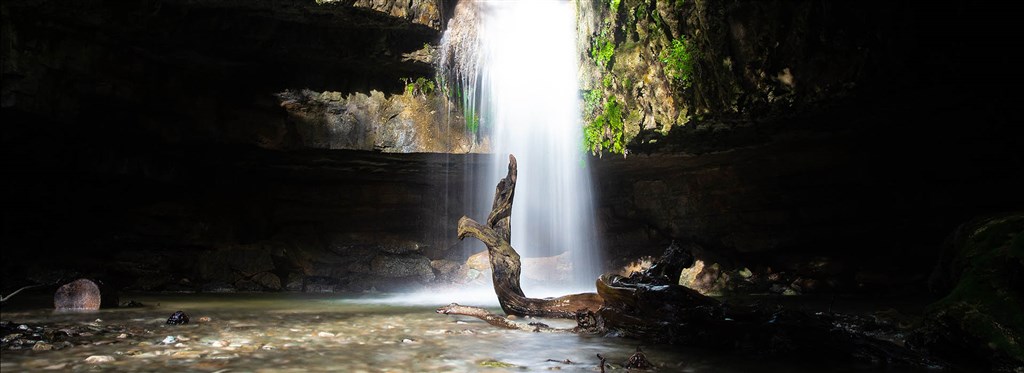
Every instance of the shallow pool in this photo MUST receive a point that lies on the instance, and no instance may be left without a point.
(281, 332)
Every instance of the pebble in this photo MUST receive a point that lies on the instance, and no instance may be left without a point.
(55, 367)
(325, 334)
(99, 359)
(122, 336)
(205, 319)
(42, 346)
(186, 355)
(169, 339)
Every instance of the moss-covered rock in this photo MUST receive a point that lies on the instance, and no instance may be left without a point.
(724, 63)
(983, 314)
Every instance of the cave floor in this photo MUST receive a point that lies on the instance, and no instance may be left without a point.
(286, 332)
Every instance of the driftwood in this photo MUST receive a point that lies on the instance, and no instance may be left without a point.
(505, 264)
(651, 306)
(497, 320)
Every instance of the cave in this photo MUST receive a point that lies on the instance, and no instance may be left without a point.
(291, 174)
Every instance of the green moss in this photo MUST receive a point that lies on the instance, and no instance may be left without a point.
(606, 131)
(678, 62)
(602, 50)
(613, 5)
(421, 86)
(591, 101)
(607, 81)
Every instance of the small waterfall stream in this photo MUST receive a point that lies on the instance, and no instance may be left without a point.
(515, 65)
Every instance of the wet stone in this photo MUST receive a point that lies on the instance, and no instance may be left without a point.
(99, 359)
(178, 318)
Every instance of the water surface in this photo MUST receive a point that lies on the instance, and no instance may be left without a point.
(281, 332)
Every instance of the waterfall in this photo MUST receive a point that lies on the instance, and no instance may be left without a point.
(518, 72)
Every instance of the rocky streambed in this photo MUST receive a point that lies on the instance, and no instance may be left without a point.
(280, 332)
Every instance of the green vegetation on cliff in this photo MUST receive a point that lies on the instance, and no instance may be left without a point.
(605, 131)
(421, 86)
(602, 50)
(678, 62)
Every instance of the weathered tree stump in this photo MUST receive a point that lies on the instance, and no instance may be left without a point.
(505, 263)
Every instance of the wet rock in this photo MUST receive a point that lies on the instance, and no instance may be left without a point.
(479, 261)
(295, 282)
(318, 284)
(99, 359)
(267, 281)
(466, 275)
(444, 266)
(178, 318)
(980, 318)
(403, 266)
(217, 287)
(81, 294)
(42, 346)
(131, 304)
(234, 264)
(186, 355)
(399, 246)
(446, 269)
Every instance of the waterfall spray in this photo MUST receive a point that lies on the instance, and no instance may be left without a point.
(514, 67)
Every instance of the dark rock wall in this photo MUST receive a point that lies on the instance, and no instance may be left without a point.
(234, 218)
(847, 135)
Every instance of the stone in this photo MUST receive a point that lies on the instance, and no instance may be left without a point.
(178, 318)
(99, 359)
(479, 261)
(42, 346)
(402, 266)
(267, 281)
(186, 355)
(444, 266)
(233, 264)
(81, 294)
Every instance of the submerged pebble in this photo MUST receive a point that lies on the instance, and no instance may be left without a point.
(99, 359)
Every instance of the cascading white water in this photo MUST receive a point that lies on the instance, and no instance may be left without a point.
(529, 100)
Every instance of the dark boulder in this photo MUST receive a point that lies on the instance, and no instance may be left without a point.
(178, 318)
(81, 294)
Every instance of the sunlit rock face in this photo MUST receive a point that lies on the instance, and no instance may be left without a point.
(412, 122)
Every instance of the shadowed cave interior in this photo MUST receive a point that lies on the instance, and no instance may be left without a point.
(815, 154)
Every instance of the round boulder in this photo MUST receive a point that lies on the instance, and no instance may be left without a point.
(81, 294)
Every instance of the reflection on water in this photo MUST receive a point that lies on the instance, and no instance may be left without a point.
(260, 332)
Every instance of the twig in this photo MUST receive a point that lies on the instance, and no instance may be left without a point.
(4, 299)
